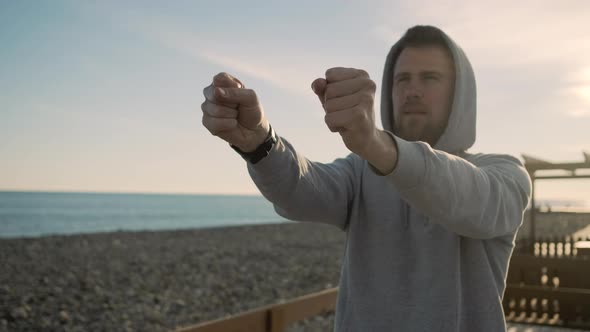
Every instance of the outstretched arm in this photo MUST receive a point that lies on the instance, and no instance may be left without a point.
(299, 189)
(484, 199)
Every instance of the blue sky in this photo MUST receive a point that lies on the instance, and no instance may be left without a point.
(105, 96)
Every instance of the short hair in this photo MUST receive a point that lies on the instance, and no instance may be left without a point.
(421, 36)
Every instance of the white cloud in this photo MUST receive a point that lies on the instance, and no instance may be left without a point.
(236, 57)
(275, 75)
(583, 91)
(580, 113)
(518, 32)
(579, 89)
(574, 151)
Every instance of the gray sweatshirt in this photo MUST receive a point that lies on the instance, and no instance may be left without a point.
(428, 245)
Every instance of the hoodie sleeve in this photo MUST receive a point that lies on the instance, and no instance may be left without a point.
(303, 190)
(479, 201)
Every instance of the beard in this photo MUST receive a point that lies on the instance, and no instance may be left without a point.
(410, 129)
(420, 127)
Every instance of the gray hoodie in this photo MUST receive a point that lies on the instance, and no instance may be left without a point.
(428, 245)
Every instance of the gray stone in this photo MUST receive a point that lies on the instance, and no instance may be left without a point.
(19, 313)
(64, 317)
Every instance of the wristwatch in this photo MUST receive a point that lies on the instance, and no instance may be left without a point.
(261, 151)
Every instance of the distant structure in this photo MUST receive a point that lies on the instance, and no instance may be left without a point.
(533, 165)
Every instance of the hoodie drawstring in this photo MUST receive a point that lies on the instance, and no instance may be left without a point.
(405, 214)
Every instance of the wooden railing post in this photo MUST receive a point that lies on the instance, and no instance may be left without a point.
(277, 320)
(273, 318)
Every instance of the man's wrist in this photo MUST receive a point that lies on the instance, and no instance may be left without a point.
(261, 151)
(382, 152)
(258, 138)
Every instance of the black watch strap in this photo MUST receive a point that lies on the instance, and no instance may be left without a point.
(261, 151)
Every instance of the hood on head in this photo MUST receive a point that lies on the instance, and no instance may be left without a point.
(460, 132)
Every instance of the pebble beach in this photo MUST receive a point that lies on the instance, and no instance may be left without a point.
(159, 281)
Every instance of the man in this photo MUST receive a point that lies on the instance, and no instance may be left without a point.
(430, 227)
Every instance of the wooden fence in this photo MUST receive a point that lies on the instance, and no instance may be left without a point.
(274, 318)
(541, 289)
(548, 290)
(551, 246)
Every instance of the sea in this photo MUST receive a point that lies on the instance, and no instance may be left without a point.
(34, 214)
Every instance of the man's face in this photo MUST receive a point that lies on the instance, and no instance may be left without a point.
(423, 85)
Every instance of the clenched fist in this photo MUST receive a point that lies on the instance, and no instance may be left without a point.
(347, 96)
(233, 113)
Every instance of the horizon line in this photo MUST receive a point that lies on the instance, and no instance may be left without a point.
(66, 191)
(584, 202)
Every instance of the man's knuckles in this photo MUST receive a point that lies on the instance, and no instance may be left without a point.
(336, 104)
(363, 73)
(242, 96)
(371, 85)
(365, 98)
(220, 77)
(319, 87)
(337, 74)
(349, 87)
(226, 80)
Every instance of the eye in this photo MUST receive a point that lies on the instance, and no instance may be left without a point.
(431, 77)
(402, 79)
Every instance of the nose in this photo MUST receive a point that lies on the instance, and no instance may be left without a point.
(413, 91)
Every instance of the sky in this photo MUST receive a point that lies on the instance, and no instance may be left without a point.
(105, 96)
